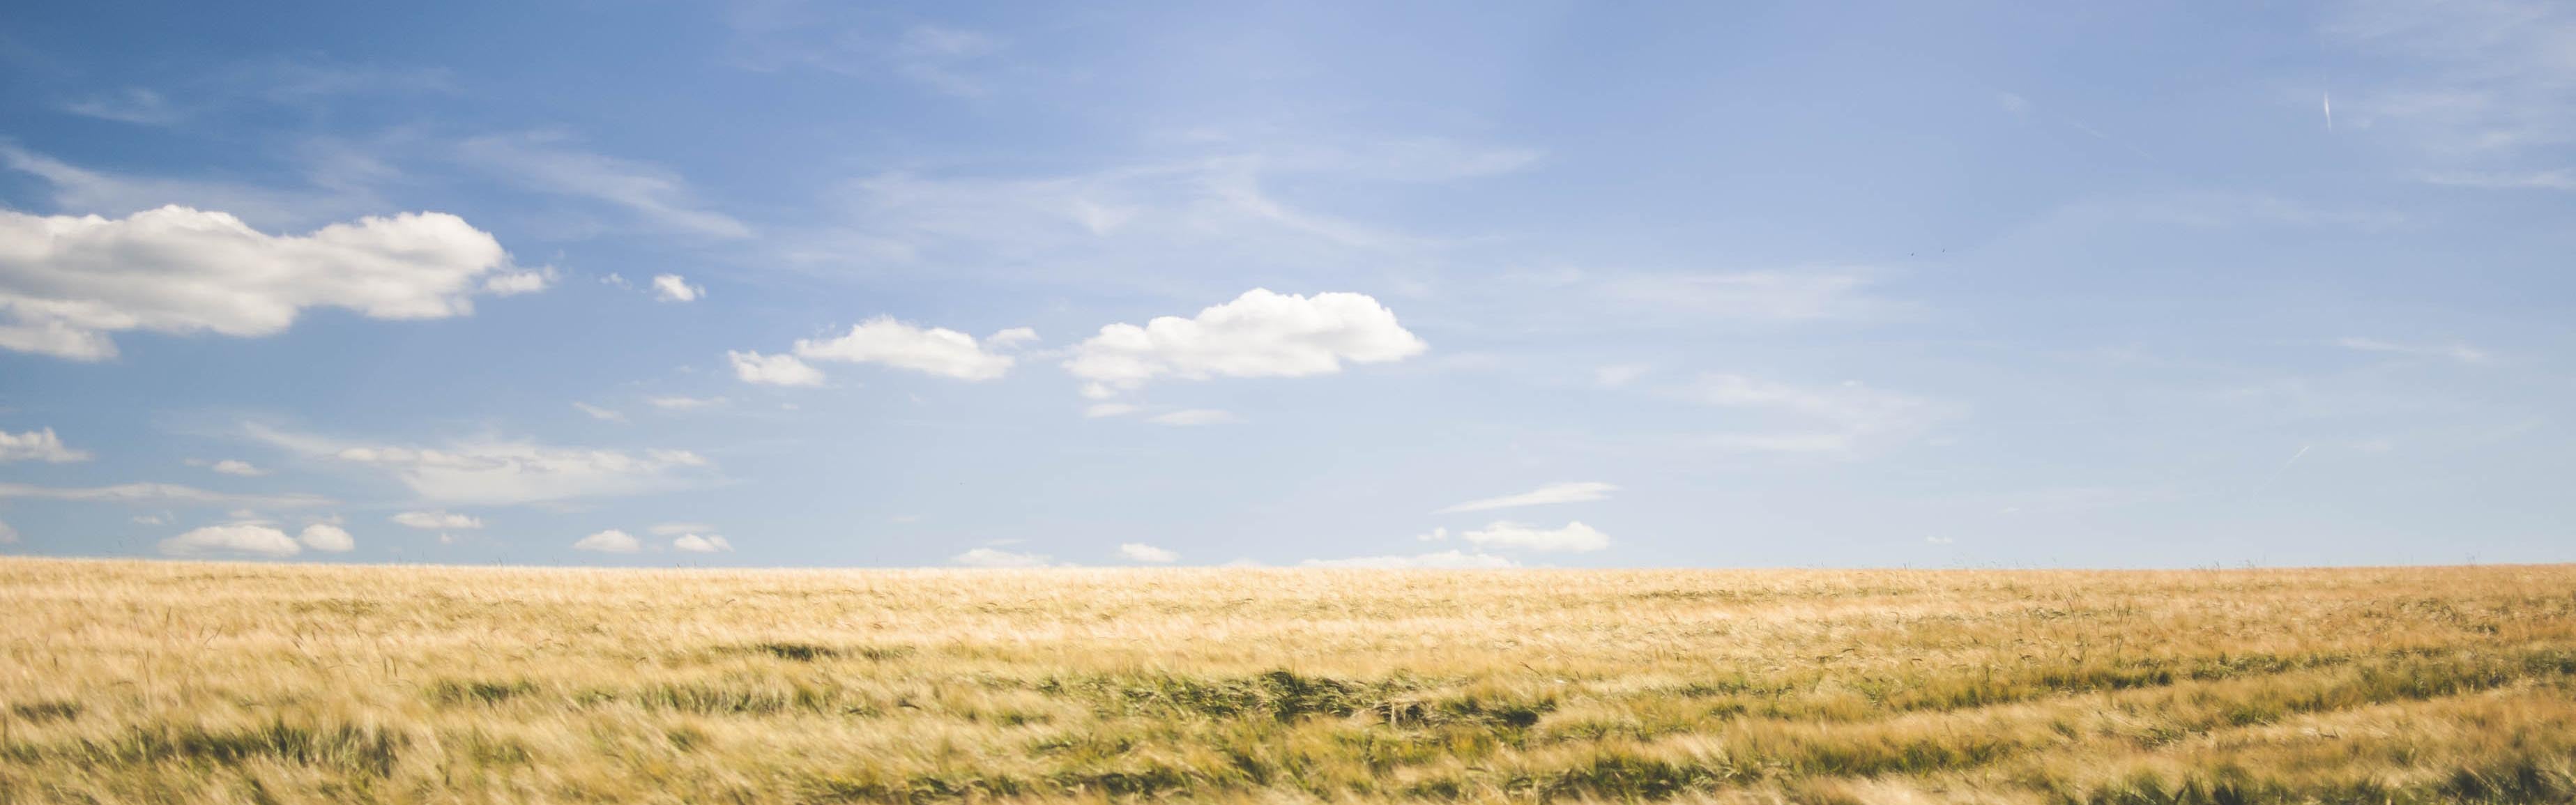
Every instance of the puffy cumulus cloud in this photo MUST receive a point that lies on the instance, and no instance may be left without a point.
(506, 472)
(137, 494)
(1140, 552)
(1444, 560)
(694, 543)
(1575, 537)
(1011, 338)
(37, 445)
(995, 557)
(674, 288)
(256, 539)
(67, 283)
(932, 350)
(437, 520)
(327, 538)
(516, 283)
(773, 370)
(609, 541)
(1259, 334)
(1553, 493)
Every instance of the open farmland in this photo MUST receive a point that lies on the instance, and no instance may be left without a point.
(201, 682)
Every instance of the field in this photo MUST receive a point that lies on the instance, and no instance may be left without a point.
(138, 682)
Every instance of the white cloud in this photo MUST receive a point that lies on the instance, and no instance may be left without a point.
(249, 538)
(1939, 540)
(1259, 334)
(609, 541)
(158, 493)
(1192, 416)
(1108, 409)
(773, 370)
(1617, 375)
(1140, 552)
(514, 284)
(1575, 537)
(993, 557)
(659, 197)
(1011, 338)
(935, 57)
(1444, 560)
(1417, 159)
(1136, 225)
(1811, 419)
(2521, 180)
(437, 520)
(2458, 352)
(339, 175)
(1553, 493)
(68, 282)
(1761, 297)
(684, 403)
(490, 472)
(150, 519)
(37, 445)
(135, 105)
(672, 288)
(598, 413)
(933, 350)
(2485, 90)
(327, 538)
(8, 535)
(694, 543)
(234, 466)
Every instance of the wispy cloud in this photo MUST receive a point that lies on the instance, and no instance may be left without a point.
(1443, 560)
(499, 472)
(131, 105)
(2514, 180)
(1553, 493)
(547, 163)
(1759, 297)
(160, 494)
(1193, 416)
(940, 57)
(2457, 352)
(2487, 83)
(1812, 419)
(333, 191)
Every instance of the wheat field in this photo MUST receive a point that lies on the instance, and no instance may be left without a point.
(134, 682)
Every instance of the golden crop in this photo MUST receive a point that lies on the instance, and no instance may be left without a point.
(132, 682)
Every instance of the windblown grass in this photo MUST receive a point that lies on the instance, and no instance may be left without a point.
(166, 682)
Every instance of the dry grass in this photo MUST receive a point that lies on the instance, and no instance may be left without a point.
(156, 682)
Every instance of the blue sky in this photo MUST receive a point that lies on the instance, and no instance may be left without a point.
(774, 283)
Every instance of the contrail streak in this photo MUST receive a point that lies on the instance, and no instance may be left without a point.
(2329, 117)
(2285, 468)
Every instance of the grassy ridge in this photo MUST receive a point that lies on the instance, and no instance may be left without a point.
(156, 682)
